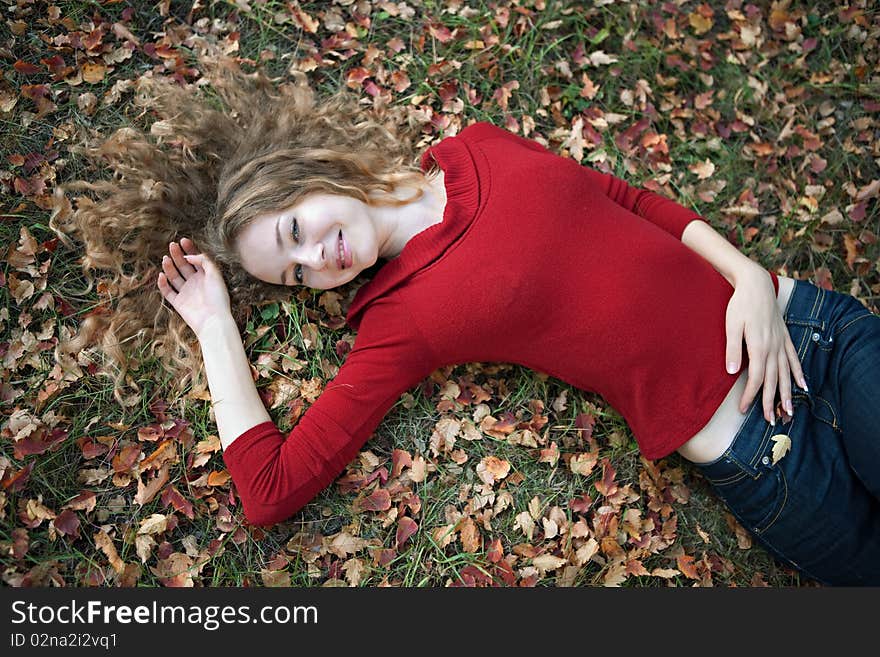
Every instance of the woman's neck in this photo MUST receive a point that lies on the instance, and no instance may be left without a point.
(405, 221)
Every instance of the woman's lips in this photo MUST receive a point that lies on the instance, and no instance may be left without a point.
(345, 260)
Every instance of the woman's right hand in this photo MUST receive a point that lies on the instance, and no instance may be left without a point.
(192, 283)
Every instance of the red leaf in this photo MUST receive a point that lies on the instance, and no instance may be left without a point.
(406, 527)
(607, 487)
(67, 523)
(400, 460)
(581, 504)
(38, 442)
(90, 447)
(378, 500)
(26, 68)
(496, 552)
(173, 497)
(384, 556)
(126, 458)
(16, 481)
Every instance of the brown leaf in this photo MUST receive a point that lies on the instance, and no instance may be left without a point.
(175, 570)
(686, 565)
(495, 552)
(491, 469)
(275, 578)
(583, 463)
(146, 492)
(20, 542)
(470, 535)
(85, 501)
(151, 432)
(607, 486)
(160, 456)
(93, 72)
(743, 538)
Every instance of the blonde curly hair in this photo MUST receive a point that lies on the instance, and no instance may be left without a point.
(208, 165)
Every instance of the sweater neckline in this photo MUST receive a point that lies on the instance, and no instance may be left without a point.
(463, 196)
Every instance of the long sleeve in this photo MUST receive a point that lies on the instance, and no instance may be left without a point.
(276, 475)
(659, 210)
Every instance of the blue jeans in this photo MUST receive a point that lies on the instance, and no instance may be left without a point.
(817, 508)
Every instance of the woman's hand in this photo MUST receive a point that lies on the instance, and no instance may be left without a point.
(193, 285)
(753, 315)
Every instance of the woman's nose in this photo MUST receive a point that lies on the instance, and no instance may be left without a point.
(313, 256)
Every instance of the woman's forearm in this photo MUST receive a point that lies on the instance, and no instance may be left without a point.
(237, 404)
(729, 261)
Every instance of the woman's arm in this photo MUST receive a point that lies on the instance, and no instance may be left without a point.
(276, 474)
(753, 315)
(727, 260)
(237, 404)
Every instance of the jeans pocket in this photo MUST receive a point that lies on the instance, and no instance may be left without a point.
(757, 498)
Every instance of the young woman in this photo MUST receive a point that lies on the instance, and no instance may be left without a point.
(495, 249)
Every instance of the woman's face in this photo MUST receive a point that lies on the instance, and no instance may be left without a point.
(301, 245)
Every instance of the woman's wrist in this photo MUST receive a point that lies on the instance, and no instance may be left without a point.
(749, 271)
(216, 327)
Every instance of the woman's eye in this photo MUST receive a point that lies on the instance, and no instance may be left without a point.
(298, 274)
(294, 229)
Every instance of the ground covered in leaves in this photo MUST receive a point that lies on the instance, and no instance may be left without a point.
(764, 116)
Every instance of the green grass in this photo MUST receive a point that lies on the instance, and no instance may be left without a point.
(529, 49)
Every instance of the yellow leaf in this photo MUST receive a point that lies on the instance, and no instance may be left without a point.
(700, 23)
(782, 444)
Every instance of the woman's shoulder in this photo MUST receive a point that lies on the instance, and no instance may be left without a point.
(484, 130)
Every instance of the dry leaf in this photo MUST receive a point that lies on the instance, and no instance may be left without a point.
(781, 445)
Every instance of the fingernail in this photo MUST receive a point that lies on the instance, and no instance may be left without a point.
(731, 367)
(772, 421)
(788, 407)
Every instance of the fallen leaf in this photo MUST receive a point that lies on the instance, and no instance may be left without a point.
(378, 500)
(781, 445)
(105, 544)
(67, 523)
(491, 469)
(93, 72)
(146, 492)
(406, 527)
(545, 562)
(218, 478)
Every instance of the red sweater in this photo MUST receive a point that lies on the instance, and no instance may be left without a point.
(538, 261)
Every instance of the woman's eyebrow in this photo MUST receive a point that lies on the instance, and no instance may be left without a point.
(280, 247)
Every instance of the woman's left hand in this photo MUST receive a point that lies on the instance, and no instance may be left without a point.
(752, 314)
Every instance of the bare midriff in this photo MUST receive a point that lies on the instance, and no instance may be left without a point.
(718, 434)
